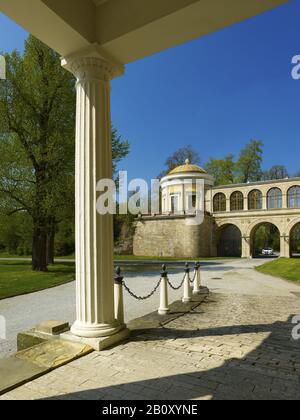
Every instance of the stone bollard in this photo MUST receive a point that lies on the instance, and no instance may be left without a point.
(119, 302)
(197, 281)
(164, 303)
(187, 292)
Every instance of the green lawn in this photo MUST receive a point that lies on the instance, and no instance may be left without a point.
(17, 278)
(7, 255)
(126, 258)
(285, 268)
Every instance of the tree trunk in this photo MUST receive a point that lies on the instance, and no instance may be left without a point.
(50, 244)
(39, 249)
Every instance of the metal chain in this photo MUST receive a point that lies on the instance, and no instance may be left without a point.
(142, 297)
(194, 277)
(176, 288)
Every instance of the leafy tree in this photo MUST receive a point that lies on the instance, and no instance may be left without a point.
(37, 126)
(15, 234)
(248, 166)
(179, 157)
(276, 172)
(222, 170)
(120, 149)
(37, 104)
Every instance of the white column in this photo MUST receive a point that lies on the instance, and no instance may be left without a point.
(94, 233)
(183, 198)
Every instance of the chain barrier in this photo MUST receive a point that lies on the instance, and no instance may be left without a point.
(194, 277)
(176, 288)
(164, 274)
(142, 297)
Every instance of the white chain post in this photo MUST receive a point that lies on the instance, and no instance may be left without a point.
(187, 291)
(119, 301)
(164, 303)
(197, 281)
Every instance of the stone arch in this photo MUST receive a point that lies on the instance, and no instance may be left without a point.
(262, 221)
(224, 222)
(291, 225)
(253, 229)
(229, 240)
(294, 240)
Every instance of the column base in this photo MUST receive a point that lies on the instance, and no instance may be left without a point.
(82, 330)
(186, 300)
(100, 343)
(163, 311)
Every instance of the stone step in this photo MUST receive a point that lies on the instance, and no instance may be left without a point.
(32, 363)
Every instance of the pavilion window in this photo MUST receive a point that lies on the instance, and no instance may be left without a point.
(294, 197)
(219, 202)
(275, 199)
(255, 200)
(237, 201)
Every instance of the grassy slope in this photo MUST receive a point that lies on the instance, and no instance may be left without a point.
(17, 278)
(288, 269)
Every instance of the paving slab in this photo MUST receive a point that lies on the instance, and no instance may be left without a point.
(53, 354)
(230, 347)
(32, 363)
(16, 372)
(177, 309)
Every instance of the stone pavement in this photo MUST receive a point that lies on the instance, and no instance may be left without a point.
(232, 346)
(226, 277)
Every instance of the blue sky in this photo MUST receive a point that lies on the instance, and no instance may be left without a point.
(215, 93)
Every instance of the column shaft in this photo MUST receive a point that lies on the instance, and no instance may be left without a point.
(95, 315)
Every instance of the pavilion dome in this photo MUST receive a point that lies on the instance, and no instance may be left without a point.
(187, 168)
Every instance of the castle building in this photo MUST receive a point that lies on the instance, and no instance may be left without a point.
(231, 217)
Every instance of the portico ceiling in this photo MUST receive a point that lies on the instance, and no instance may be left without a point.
(128, 30)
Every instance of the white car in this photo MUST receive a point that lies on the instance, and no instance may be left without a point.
(267, 251)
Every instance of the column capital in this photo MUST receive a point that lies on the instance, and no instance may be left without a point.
(92, 64)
